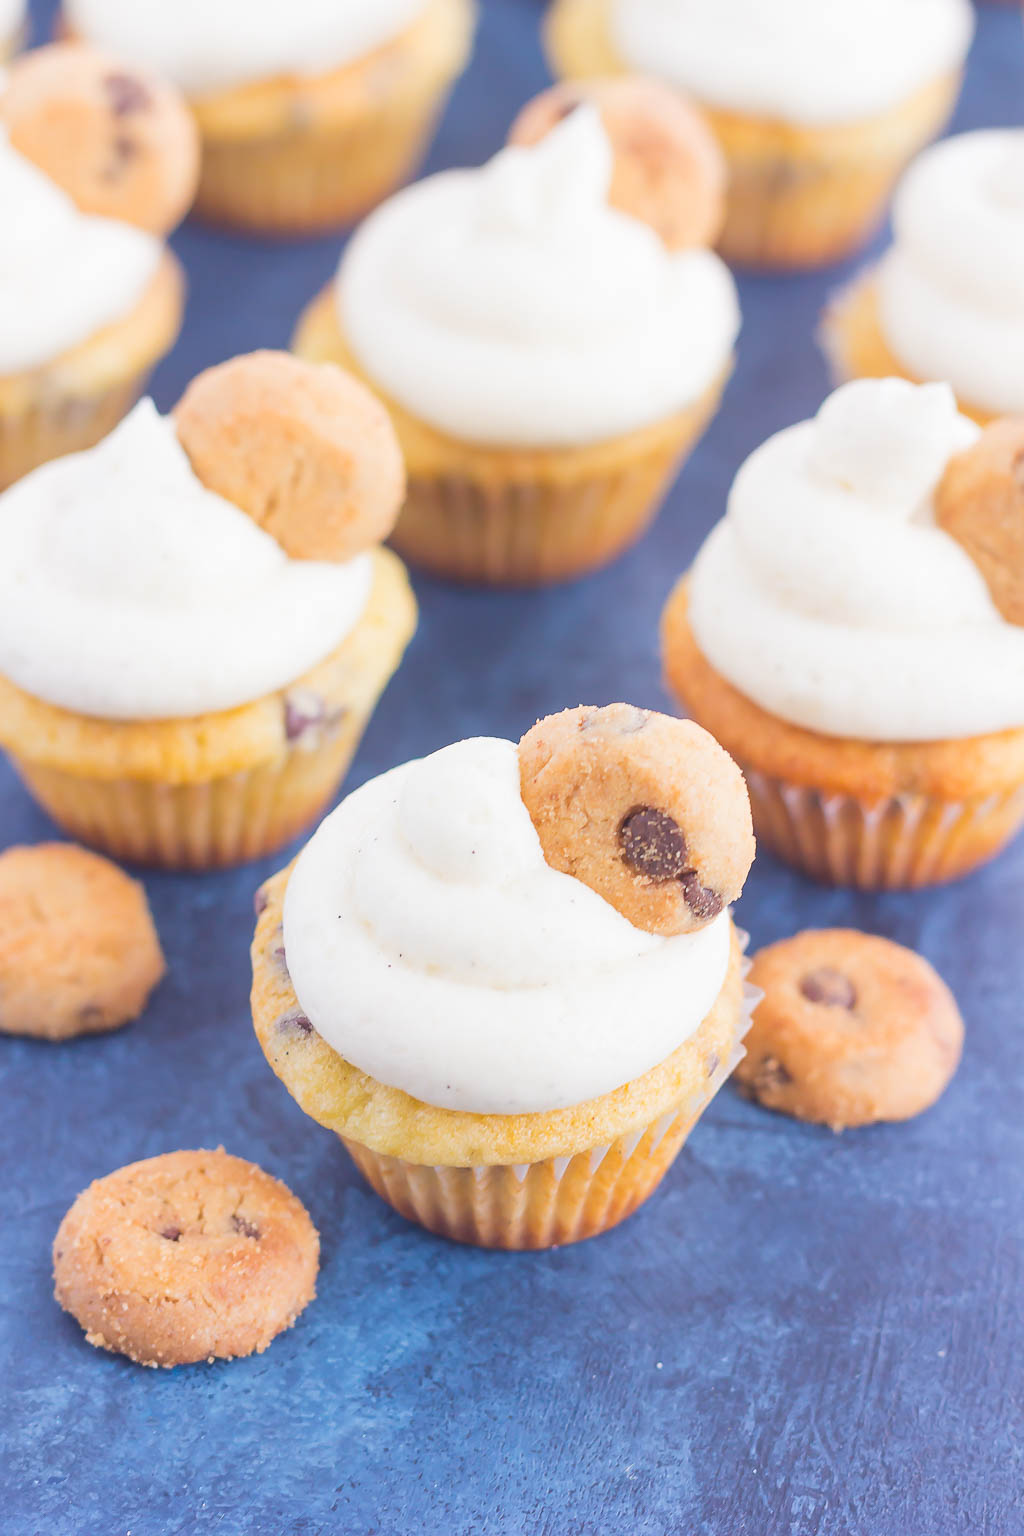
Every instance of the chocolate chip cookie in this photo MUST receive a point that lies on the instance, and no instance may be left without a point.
(980, 503)
(78, 949)
(852, 1029)
(647, 810)
(185, 1257)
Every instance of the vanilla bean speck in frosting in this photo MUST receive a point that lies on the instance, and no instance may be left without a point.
(511, 305)
(212, 45)
(951, 288)
(829, 596)
(431, 945)
(805, 61)
(64, 275)
(128, 591)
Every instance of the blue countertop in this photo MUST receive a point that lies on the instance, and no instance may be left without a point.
(800, 1333)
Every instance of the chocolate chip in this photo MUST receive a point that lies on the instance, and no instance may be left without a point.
(303, 711)
(712, 1064)
(171, 1233)
(771, 1074)
(828, 987)
(701, 900)
(126, 94)
(125, 149)
(653, 844)
(90, 1016)
(294, 1024)
(246, 1228)
(278, 954)
(260, 902)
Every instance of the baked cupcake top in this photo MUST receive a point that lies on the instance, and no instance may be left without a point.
(129, 590)
(433, 945)
(206, 46)
(805, 61)
(512, 305)
(951, 288)
(830, 596)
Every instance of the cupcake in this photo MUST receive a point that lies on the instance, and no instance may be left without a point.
(818, 106)
(97, 165)
(946, 302)
(196, 620)
(845, 635)
(309, 111)
(546, 359)
(508, 978)
(12, 26)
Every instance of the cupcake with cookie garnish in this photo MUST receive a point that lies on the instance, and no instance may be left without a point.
(13, 26)
(98, 162)
(507, 977)
(946, 301)
(196, 618)
(547, 359)
(818, 104)
(853, 632)
(311, 111)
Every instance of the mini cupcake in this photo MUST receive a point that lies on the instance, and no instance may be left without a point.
(508, 979)
(818, 106)
(844, 633)
(946, 302)
(547, 360)
(310, 111)
(196, 619)
(12, 27)
(97, 164)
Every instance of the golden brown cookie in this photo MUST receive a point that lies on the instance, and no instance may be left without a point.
(980, 502)
(189, 1256)
(669, 171)
(119, 140)
(305, 449)
(852, 1029)
(78, 949)
(647, 810)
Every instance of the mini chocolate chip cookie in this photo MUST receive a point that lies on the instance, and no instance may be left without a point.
(668, 172)
(852, 1029)
(647, 810)
(185, 1257)
(119, 140)
(303, 448)
(980, 502)
(78, 950)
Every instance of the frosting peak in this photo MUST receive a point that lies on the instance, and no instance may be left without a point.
(829, 596)
(129, 591)
(511, 305)
(432, 946)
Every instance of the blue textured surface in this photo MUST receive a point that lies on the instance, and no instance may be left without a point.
(800, 1333)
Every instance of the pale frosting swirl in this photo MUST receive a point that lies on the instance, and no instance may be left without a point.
(432, 947)
(805, 61)
(12, 17)
(212, 45)
(951, 289)
(64, 275)
(130, 592)
(511, 305)
(829, 596)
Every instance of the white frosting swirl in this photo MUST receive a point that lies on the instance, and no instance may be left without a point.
(829, 596)
(212, 45)
(431, 945)
(12, 16)
(64, 275)
(511, 305)
(805, 61)
(951, 289)
(130, 592)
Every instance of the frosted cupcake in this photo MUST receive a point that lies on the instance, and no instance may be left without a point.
(547, 360)
(97, 165)
(196, 619)
(946, 302)
(310, 111)
(511, 1018)
(12, 26)
(841, 633)
(818, 104)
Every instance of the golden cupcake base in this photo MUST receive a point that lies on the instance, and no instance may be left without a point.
(518, 517)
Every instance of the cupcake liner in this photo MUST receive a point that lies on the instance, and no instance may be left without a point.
(557, 1200)
(62, 423)
(522, 532)
(900, 842)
